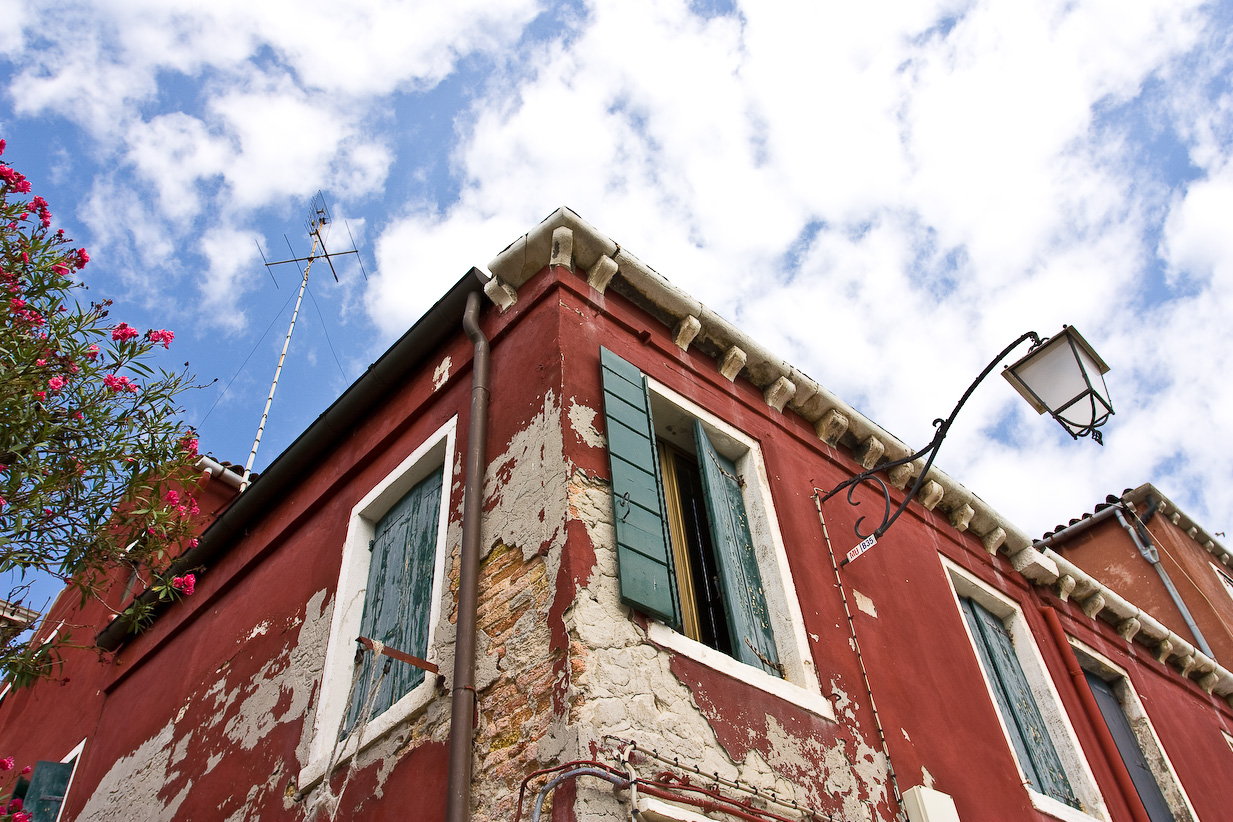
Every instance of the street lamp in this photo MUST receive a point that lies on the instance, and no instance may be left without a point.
(1061, 374)
(1065, 376)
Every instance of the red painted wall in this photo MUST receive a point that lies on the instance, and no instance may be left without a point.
(210, 659)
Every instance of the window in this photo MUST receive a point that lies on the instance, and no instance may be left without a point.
(1033, 747)
(1037, 729)
(43, 796)
(1149, 767)
(698, 548)
(389, 589)
(1224, 578)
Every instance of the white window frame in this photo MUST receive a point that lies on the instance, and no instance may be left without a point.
(437, 452)
(73, 756)
(1097, 663)
(1226, 579)
(1053, 712)
(800, 684)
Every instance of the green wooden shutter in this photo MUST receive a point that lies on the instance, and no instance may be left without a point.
(749, 621)
(48, 785)
(1033, 745)
(399, 594)
(644, 561)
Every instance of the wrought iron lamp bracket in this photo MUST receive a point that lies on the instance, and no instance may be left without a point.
(943, 428)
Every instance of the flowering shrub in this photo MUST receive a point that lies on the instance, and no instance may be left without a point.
(91, 447)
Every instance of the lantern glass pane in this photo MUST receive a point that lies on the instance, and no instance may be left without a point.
(1053, 374)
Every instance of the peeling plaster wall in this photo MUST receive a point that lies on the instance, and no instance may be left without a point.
(216, 722)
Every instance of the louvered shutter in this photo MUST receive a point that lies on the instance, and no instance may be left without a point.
(1128, 746)
(644, 562)
(48, 785)
(749, 621)
(398, 598)
(1033, 745)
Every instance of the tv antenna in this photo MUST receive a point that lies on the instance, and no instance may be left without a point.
(318, 228)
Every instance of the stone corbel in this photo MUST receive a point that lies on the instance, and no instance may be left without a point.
(995, 539)
(562, 247)
(1093, 605)
(832, 427)
(601, 273)
(501, 294)
(1065, 587)
(961, 517)
(685, 332)
(779, 392)
(732, 363)
(1128, 629)
(1163, 650)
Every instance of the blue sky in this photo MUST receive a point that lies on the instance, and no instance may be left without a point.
(884, 194)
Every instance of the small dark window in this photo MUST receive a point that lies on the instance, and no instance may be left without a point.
(1128, 746)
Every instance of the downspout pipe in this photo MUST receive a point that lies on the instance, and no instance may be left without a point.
(462, 711)
(1149, 553)
(1095, 718)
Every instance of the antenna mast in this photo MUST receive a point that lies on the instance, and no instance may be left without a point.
(319, 219)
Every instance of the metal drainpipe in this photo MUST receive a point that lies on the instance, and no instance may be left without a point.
(1095, 718)
(1149, 553)
(462, 711)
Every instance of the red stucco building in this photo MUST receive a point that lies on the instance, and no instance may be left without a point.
(658, 620)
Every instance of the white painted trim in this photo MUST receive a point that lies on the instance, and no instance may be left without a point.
(811, 701)
(434, 453)
(1057, 721)
(73, 756)
(801, 685)
(1092, 660)
(657, 810)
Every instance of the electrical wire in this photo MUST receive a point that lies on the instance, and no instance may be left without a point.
(328, 341)
(246, 359)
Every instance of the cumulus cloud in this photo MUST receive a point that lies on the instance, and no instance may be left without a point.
(885, 198)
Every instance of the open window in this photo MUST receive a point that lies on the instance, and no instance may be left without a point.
(698, 547)
(1225, 579)
(43, 797)
(1038, 731)
(1150, 770)
(389, 590)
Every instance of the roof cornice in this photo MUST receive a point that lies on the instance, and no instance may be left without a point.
(566, 239)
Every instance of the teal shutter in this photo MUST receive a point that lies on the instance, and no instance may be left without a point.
(1033, 745)
(48, 785)
(749, 621)
(644, 560)
(399, 594)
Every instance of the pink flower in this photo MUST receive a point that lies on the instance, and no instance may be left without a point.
(3, 502)
(172, 497)
(92, 352)
(192, 543)
(82, 258)
(162, 336)
(6, 764)
(26, 770)
(42, 395)
(77, 415)
(40, 363)
(22, 816)
(1, 146)
(60, 269)
(55, 383)
(123, 332)
(185, 584)
(118, 384)
(189, 444)
(17, 804)
(17, 303)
